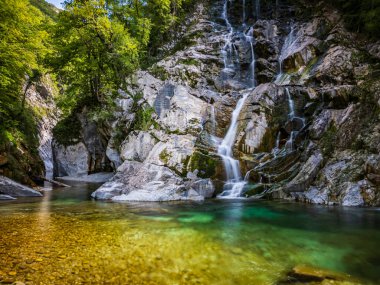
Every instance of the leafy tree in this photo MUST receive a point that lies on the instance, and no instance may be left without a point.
(46, 8)
(22, 47)
(94, 52)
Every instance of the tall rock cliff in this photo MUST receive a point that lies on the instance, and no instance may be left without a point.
(308, 127)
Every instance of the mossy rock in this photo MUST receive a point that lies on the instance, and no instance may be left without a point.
(165, 156)
(328, 140)
(159, 72)
(253, 189)
(205, 164)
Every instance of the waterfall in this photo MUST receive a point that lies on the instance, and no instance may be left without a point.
(228, 48)
(252, 66)
(292, 116)
(244, 17)
(213, 120)
(257, 8)
(235, 184)
(290, 103)
(286, 48)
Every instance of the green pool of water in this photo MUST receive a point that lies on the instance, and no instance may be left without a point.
(66, 238)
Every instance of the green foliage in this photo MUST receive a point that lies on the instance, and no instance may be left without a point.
(144, 118)
(189, 61)
(159, 72)
(94, 53)
(164, 156)
(23, 45)
(67, 131)
(361, 15)
(46, 8)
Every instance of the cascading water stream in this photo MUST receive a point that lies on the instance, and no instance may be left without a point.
(244, 16)
(234, 186)
(257, 8)
(252, 66)
(213, 120)
(286, 48)
(292, 115)
(228, 48)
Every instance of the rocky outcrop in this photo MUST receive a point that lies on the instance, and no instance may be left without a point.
(309, 131)
(29, 157)
(41, 97)
(10, 189)
(138, 181)
(316, 152)
(90, 152)
(72, 160)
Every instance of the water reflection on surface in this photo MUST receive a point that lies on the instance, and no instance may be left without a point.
(66, 238)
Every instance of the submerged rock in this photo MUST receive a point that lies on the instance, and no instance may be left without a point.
(302, 274)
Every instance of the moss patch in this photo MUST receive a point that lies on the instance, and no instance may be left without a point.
(328, 141)
(205, 164)
(165, 156)
(159, 72)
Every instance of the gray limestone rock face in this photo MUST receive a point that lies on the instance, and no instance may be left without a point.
(41, 97)
(137, 146)
(351, 193)
(313, 196)
(337, 66)
(14, 189)
(72, 160)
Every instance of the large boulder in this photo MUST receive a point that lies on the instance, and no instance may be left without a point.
(138, 181)
(11, 188)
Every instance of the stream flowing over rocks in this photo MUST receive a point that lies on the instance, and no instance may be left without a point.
(308, 128)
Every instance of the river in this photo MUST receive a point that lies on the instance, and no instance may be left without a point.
(67, 238)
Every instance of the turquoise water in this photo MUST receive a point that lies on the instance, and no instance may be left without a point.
(65, 237)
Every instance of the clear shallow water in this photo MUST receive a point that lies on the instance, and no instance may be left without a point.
(65, 238)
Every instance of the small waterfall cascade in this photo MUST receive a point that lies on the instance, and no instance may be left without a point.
(292, 119)
(229, 51)
(257, 9)
(235, 183)
(249, 38)
(213, 120)
(286, 48)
